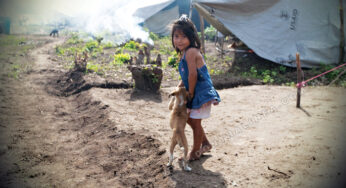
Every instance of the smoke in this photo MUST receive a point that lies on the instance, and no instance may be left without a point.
(112, 19)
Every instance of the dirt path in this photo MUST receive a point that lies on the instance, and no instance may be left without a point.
(52, 141)
(260, 139)
(118, 137)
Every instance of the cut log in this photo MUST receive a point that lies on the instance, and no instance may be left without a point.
(146, 77)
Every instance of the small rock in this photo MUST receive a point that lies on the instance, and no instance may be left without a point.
(161, 152)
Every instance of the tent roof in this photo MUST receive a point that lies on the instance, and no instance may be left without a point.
(277, 29)
(148, 11)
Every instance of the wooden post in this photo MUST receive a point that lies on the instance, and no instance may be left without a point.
(342, 36)
(221, 44)
(190, 11)
(202, 33)
(299, 80)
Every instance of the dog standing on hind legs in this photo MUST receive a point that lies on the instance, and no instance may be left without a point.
(178, 120)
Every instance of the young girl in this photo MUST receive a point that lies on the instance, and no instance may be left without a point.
(196, 79)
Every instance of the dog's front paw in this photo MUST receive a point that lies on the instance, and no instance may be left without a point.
(187, 168)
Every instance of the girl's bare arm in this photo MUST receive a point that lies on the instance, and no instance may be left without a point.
(191, 57)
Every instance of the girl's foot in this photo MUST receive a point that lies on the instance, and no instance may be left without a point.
(206, 148)
(194, 155)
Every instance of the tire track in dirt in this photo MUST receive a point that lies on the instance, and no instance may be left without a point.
(53, 141)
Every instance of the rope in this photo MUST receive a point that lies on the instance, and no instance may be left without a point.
(302, 84)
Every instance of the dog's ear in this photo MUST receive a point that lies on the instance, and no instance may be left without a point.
(172, 94)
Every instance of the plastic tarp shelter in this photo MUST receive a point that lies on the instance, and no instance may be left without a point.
(158, 17)
(277, 29)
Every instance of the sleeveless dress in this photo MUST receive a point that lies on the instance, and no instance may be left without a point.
(204, 94)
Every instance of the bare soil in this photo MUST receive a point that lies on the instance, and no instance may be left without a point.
(118, 137)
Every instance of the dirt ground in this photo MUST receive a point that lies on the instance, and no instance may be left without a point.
(119, 137)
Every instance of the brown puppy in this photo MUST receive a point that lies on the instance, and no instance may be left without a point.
(178, 120)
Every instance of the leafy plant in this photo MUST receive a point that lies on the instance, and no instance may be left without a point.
(108, 45)
(132, 45)
(154, 78)
(74, 39)
(95, 68)
(153, 36)
(253, 72)
(120, 59)
(210, 33)
(173, 60)
(91, 45)
(282, 69)
(267, 78)
(59, 50)
(331, 75)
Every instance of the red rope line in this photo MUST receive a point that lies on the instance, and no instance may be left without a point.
(301, 84)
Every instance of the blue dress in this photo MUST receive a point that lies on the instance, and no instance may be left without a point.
(204, 90)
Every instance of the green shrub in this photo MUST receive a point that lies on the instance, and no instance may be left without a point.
(173, 60)
(74, 39)
(91, 45)
(153, 36)
(253, 71)
(108, 45)
(59, 50)
(331, 75)
(266, 76)
(282, 69)
(132, 45)
(120, 59)
(210, 33)
(95, 67)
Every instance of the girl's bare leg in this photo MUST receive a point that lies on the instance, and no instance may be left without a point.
(198, 137)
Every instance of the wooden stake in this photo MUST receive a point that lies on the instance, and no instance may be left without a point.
(202, 33)
(299, 79)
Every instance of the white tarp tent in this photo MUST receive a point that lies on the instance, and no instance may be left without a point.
(158, 17)
(277, 29)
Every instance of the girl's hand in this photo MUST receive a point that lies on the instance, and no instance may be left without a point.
(190, 95)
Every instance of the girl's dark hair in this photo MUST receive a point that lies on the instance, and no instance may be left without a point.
(188, 28)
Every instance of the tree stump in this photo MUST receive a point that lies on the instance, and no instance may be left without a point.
(80, 63)
(140, 59)
(158, 60)
(147, 77)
